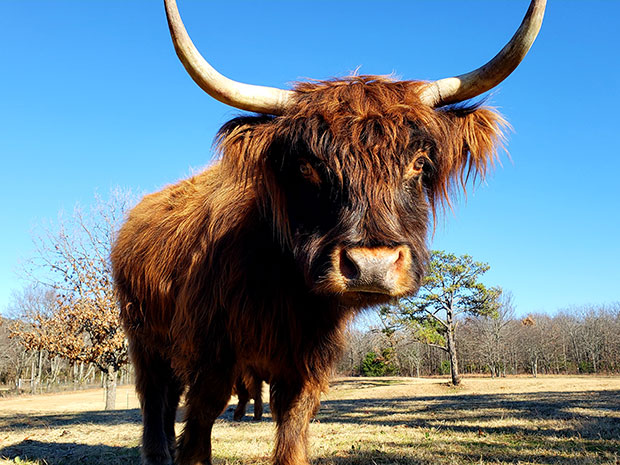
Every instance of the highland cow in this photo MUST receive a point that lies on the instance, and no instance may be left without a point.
(317, 209)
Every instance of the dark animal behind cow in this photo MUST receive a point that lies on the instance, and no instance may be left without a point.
(249, 385)
(258, 263)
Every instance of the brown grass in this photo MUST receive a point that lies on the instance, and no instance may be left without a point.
(560, 420)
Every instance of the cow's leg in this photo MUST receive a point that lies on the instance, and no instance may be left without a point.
(175, 389)
(154, 382)
(244, 396)
(293, 406)
(257, 394)
(205, 401)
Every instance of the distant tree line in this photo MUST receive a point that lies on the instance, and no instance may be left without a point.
(579, 340)
(36, 370)
(65, 328)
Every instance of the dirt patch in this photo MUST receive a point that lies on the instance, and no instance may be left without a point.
(71, 401)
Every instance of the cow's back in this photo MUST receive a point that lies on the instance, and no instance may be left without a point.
(165, 236)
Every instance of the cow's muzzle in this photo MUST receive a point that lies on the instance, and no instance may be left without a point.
(381, 270)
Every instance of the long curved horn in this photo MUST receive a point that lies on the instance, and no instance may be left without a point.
(466, 86)
(268, 100)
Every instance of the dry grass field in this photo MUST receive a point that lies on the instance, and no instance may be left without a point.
(559, 420)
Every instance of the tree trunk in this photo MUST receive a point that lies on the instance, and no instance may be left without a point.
(81, 375)
(454, 363)
(516, 365)
(32, 375)
(88, 376)
(55, 369)
(110, 389)
(91, 373)
(40, 371)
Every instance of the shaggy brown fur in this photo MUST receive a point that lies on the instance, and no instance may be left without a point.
(247, 266)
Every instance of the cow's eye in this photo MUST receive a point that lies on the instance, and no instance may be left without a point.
(307, 171)
(416, 166)
(305, 168)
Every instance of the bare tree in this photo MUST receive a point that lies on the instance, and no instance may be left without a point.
(410, 355)
(14, 358)
(537, 343)
(32, 308)
(492, 332)
(73, 262)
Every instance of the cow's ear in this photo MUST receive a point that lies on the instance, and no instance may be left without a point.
(243, 144)
(472, 137)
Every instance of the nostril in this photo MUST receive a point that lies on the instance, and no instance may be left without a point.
(348, 268)
(399, 259)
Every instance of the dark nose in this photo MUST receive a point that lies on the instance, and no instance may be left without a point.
(377, 269)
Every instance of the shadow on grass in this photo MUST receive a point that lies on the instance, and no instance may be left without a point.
(95, 417)
(436, 454)
(67, 453)
(586, 414)
(502, 428)
(360, 383)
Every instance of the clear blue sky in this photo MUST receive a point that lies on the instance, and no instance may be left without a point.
(93, 97)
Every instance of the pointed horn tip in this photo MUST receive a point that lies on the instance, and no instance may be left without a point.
(466, 86)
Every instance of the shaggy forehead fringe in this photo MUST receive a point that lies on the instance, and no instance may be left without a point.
(375, 124)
